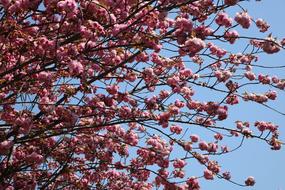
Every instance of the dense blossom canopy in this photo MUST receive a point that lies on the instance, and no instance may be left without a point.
(104, 94)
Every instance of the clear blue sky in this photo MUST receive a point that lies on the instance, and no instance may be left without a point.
(256, 158)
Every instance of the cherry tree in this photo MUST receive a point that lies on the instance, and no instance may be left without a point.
(104, 94)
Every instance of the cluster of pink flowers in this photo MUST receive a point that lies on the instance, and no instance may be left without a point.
(178, 163)
(186, 73)
(215, 50)
(194, 45)
(223, 76)
(272, 95)
(231, 36)
(203, 31)
(203, 145)
(262, 126)
(223, 19)
(275, 143)
(214, 167)
(209, 175)
(112, 89)
(5, 147)
(270, 45)
(23, 124)
(264, 79)
(184, 24)
(243, 19)
(260, 98)
(240, 125)
(159, 145)
(75, 67)
(209, 147)
(193, 183)
(67, 5)
(175, 129)
(125, 112)
(250, 75)
(262, 25)
(232, 100)
(194, 138)
(45, 76)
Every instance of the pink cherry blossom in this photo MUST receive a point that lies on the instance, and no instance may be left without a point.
(270, 46)
(75, 67)
(224, 20)
(176, 129)
(193, 183)
(5, 147)
(194, 45)
(178, 163)
(203, 145)
(262, 25)
(231, 36)
(250, 181)
(194, 138)
(208, 175)
(243, 19)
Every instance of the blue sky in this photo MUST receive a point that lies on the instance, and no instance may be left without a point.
(256, 158)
